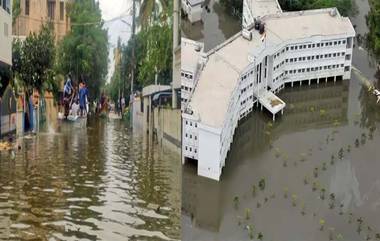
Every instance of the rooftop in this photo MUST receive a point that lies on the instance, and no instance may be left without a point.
(260, 8)
(303, 24)
(225, 63)
(190, 53)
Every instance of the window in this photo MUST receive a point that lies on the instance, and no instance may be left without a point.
(195, 125)
(61, 10)
(309, 46)
(292, 48)
(313, 45)
(195, 137)
(186, 148)
(318, 45)
(347, 68)
(195, 150)
(51, 8)
(27, 7)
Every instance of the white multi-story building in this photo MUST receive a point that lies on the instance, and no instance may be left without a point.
(190, 67)
(5, 33)
(193, 9)
(274, 49)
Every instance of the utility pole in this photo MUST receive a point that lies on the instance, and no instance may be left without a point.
(133, 58)
(175, 48)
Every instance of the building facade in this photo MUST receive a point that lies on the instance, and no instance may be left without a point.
(5, 34)
(273, 49)
(34, 13)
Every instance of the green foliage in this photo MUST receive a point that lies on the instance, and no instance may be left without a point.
(33, 61)
(345, 7)
(157, 56)
(16, 10)
(84, 50)
(373, 22)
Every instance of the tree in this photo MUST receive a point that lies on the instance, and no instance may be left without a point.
(373, 22)
(84, 50)
(154, 11)
(158, 56)
(33, 61)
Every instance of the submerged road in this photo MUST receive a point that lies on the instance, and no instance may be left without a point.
(89, 181)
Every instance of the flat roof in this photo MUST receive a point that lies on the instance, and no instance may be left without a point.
(225, 63)
(303, 24)
(189, 54)
(260, 8)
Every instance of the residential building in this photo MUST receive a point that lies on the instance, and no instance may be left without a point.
(5, 34)
(34, 13)
(273, 49)
(193, 9)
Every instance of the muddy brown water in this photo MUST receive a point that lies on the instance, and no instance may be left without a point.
(89, 181)
(327, 142)
(215, 27)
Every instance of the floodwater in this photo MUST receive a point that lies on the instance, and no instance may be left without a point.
(320, 164)
(89, 181)
(215, 27)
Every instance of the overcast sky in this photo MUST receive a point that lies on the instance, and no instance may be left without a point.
(112, 9)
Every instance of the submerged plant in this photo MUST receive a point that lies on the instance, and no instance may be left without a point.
(322, 224)
(339, 236)
(340, 153)
(236, 202)
(294, 200)
(315, 172)
(254, 190)
(303, 157)
(260, 236)
(315, 186)
(324, 166)
(250, 231)
(331, 234)
(262, 184)
(332, 200)
(285, 163)
(357, 143)
(322, 195)
(247, 213)
(350, 218)
(341, 206)
(258, 205)
(277, 152)
(239, 220)
(349, 148)
(306, 180)
(363, 139)
(303, 210)
(286, 190)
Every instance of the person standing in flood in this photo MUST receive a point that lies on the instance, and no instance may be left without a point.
(67, 95)
(83, 96)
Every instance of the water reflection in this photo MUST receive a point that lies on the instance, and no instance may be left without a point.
(94, 183)
(318, 122)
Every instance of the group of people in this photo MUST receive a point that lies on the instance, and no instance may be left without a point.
(75, 99)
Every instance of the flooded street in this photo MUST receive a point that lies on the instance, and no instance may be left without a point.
(311, 175)
(94, 181)
(215, 27)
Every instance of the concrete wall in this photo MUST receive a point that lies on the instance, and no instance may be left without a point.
(209, 163)
(5, 35)
(167, 125)
(38, 14)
